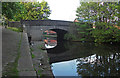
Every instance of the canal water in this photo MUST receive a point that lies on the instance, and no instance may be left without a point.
(85, 59)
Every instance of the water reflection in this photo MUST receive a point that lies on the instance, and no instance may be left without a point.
(95, 65)
(85, 59)
(50, 39)
(50, 43)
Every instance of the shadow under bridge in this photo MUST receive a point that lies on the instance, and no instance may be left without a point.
(60, 34)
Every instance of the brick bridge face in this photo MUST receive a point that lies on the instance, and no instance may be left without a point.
(35, 28)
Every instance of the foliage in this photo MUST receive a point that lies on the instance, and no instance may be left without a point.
(98, 11)
(118, 9)
(33, 56)
(41, 47)
(9, 9)
(35, 11)
(31, 49)
(83, 30)
(69, 37)
(21, 13)
(39, 72)
(15, 11)
(104, 15)
(15, 29)
(106, 33)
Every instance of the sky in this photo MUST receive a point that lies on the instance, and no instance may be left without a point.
(63, 9)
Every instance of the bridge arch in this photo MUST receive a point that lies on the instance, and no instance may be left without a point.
(60, 33)
(35, 28)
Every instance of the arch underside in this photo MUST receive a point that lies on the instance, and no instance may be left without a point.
(36, 32)
(60, 34)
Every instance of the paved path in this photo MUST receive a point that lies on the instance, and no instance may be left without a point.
(0, 51)
(25, 65)
(10, 41)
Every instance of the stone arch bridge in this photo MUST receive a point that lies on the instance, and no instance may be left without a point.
(35, 28)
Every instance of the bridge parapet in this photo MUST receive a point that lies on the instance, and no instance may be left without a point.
(46, 23)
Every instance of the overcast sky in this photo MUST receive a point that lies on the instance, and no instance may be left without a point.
(63, 9)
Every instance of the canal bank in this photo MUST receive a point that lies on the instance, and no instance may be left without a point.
(17, 59)
(40, 59)
(25, 64)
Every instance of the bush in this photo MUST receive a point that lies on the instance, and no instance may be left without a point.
(15, 29)
(81, 33)
(70, 37)
(105, 33)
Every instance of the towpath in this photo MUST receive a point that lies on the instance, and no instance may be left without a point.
(16, 56)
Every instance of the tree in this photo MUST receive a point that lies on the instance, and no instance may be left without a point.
(118, 13)
(21, 13)
(16, 11)
(97, 11)
(34, 11)
(9, 9)
(104, 15)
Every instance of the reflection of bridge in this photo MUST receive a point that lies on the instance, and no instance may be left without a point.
(67, 55)
(35, 28)
(65, 51)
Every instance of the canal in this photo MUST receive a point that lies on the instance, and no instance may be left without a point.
(84, 59)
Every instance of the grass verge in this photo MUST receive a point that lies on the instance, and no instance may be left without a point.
(39, 73)
(15, 29)
(41, 47)
(32, 55)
